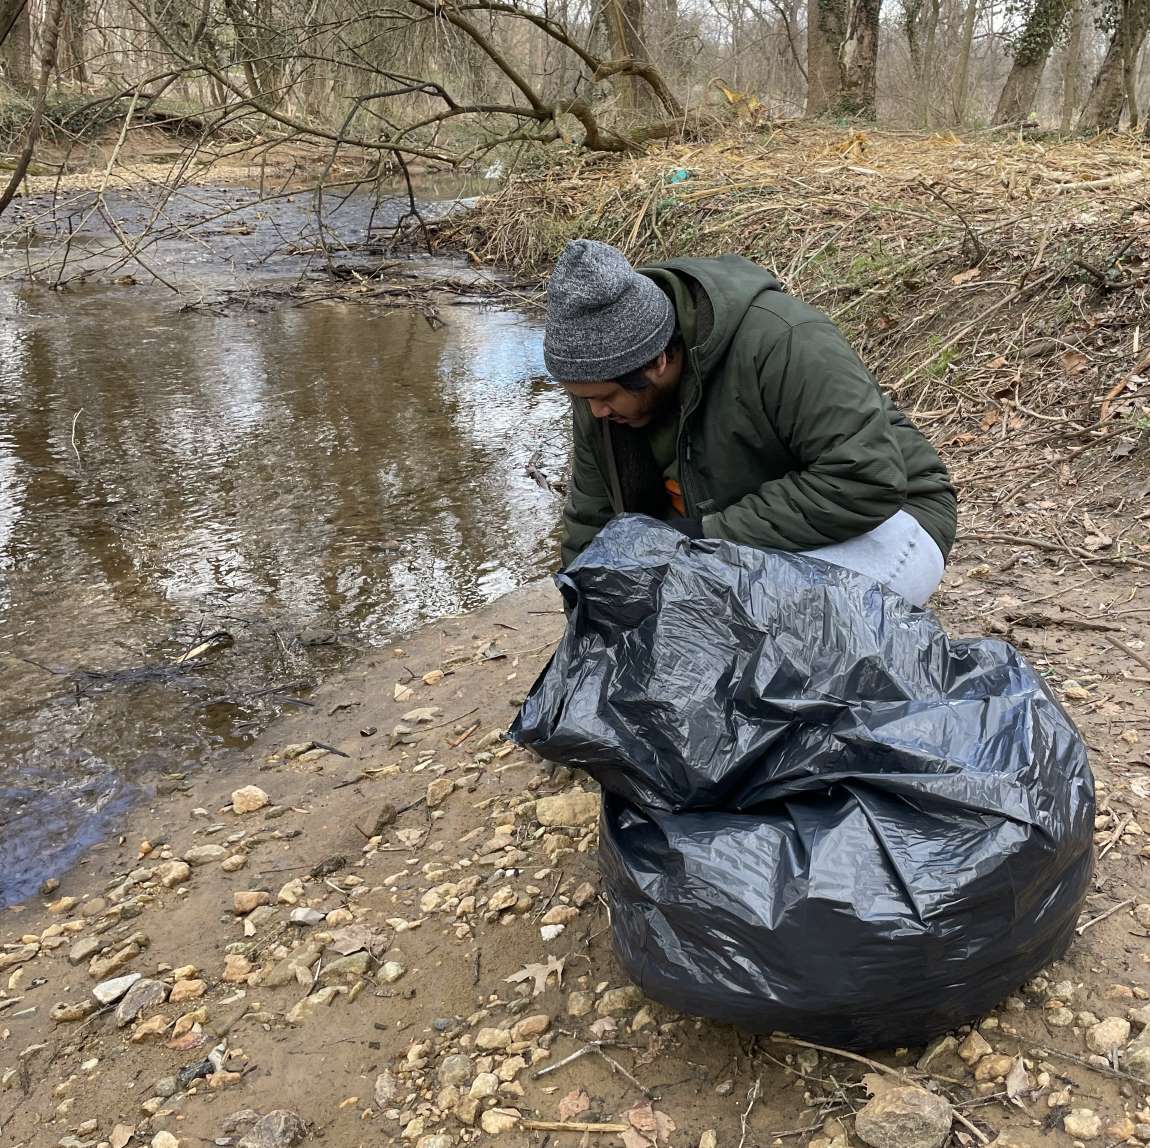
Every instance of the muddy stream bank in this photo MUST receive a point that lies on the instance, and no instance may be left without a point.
(310, 480)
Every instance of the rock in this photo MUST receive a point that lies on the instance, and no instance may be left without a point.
(904, 1117)
(291, 893)
(172, 873)
(709, 1139)
(576, 807)
(973, 1048)
(154, 1026)
(530, 1027)
(559, 915)
(490, 1039)
(349, 968)
(142, 996)
(248, 900)
(391, 972)
(645, 1018)
(550, 932)
(1120, 1130)
(484, 1085)
(580, 1003)
(165, 1140)
(234, 863)
(386, 1089)
(455, 1070)
(993, 1067)
(106, 992)
(248, 799)
(439, 1140)
(583, 896)
(1107, 1035)
(102, 968)
(502, 898)
(496, 1121)
(237, 969)
(1142, 915)
(65, 1013)
(1083, 1124)
(1059, 1017)
(83, 950)
(511, 1068)
(1137, 1058)
(280, 1128)
(18, 956)
(305, 916)
(1139, 1016)
(187, 991)
(467, 1110)
(616, 1001)
(300, 1012)
(205, 854)
(439, 791)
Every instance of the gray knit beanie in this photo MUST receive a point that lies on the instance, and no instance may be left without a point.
(603, 318)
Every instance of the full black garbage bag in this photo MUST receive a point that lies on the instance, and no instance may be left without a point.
(821, 814)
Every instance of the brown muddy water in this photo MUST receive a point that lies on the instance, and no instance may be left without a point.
(311, 480)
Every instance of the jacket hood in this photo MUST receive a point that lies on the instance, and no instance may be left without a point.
(730, 285)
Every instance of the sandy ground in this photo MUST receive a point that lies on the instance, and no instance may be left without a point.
(397, 1016)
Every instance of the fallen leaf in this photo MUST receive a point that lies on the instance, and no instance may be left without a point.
(351, 939)
(1073, 362)
(403, 693)
(1017, 1082)
(1097, 542)
(539, 973)
(574, 1104)
(982, 570)
(649, 1126)
(997, 363)
(965, 276)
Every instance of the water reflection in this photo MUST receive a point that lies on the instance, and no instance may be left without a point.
(325, 466)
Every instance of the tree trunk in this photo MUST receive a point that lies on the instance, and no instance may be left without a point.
(929, 52)
(858, 59)
(1072, 66)
(16, 49)
(962, 78)
(624, 20)
(1030, 54)
(1103, 110)
(825, 29)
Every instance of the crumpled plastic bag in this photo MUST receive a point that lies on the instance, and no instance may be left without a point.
(821, 814)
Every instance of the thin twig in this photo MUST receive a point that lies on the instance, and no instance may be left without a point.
(1102, 917)
(752, 1096)
(75, 418)
(1118, 644)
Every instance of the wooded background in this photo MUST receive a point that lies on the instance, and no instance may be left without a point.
(456, 81)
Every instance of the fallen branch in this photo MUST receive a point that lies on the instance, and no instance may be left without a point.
(573, 1126)
(1118, 644)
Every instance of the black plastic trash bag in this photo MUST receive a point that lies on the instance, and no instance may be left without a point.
(821, 814)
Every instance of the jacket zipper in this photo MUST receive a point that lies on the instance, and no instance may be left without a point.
(683, 444)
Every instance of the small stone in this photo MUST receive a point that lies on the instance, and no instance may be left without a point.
(64, 1013)
(391, 972)
(496, 1121)
(580, 1003)
(249, 899)
(993, 1067)
(234, 863)
(583, 896)
(280, 1128)
(165, 1140)
(63, 905)
(298, 1013)
(103, 967)
(1139, 1016)
(709, 1139)
(439, 791)
(501, 899)
(83, 950)
(237, 969)
(490, 1039)
(484, 1085)
(974, 1047)
(439, 1140)
(530, 1027)
(904, 1117)
(1137, 1057)
(1120, 1130)
(248, 799)
(205, 854)
(616, 1001)
(1118, 993)
(108, 992)
(350, 968)
(154, 1026)
(386, 1089)
(575, 807)
(511, 1068)
(467, 1110)
(172, 873)
(187, 991)
(455, 1070)
(305, 916)
(1059, 1017)
(550, 932)
(1083, 1124)
(645, 1018)
(1107, 1035)
(559, 915)
(1142, 915)
(141, 997)
(291, 893)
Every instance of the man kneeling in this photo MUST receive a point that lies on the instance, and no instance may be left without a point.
(705, 395)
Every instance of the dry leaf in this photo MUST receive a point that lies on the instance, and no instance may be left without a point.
(1076, 693)
(982, 570)
(403, 693)
(1017, 1082)
(1073, 362)
(649, 1126)
(121, 1134)
(997, 363)
(574, 1104)
(965, 276)
(1097, 542)
(539, 973)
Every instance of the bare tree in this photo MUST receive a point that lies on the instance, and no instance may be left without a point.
(842, 57)
(1031, 50)
(1072, 65)
(966, 47)
(16, 43)
(1113, 88)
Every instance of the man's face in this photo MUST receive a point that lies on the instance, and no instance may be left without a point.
(609, 400)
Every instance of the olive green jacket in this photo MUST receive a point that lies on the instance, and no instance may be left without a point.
(785, 440)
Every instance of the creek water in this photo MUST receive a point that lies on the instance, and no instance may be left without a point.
(312, 480)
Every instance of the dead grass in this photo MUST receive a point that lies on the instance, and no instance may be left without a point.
(999, 287)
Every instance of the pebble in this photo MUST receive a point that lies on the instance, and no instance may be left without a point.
(291, 893)
(237, 969)
(1059, 1017)
(109, 991)
(496, 1121)
(205, 854)
(165, 1140)
(280, 1128)
(559, 915)
(1139, 1016)
(391, 972)
(993, 1067)
(1107, 1035)
(455, 1070)
(172, 873)
(580, 1003)
(64, 1013)
(1137, 1057)
(709, 1139)
(616, 1001)
(530, 1027)
(386, 1088)
(1083, 1124)
(63, 905)
(575, 807)
(484, 1085)
(305, 916)
(189, 990)
(248, 799)
(246, 901)
(234, 863)
(550, 932)
(144, 994)
(490, 1039)
(102, 968)
(904, 1117)
(584, 895)
(439, 1140)
(439, 791)
(83, 950)
(974, 1047)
